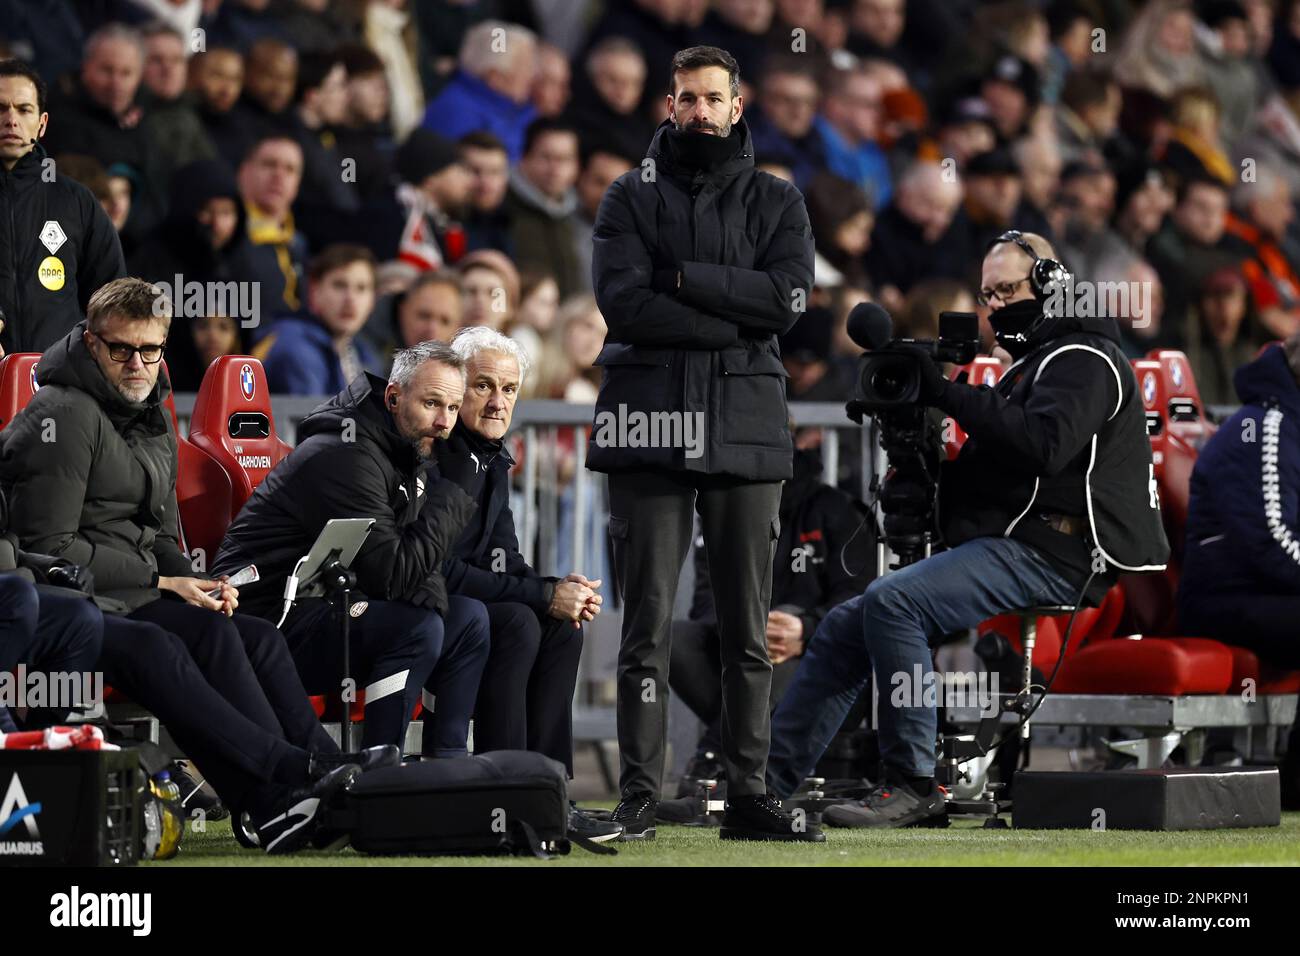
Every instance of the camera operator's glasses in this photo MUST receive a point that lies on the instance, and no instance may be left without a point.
(122, 352)
(1003, 290)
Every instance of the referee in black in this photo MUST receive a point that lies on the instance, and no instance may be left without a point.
(699, 263)
(59, 244)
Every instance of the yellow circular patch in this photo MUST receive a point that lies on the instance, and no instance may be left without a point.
(51, 273)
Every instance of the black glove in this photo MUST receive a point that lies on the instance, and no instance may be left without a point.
(458, 468)
(78, 577)
(665, 280)
(934, 384)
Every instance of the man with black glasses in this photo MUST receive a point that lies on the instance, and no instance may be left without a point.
(89, 467)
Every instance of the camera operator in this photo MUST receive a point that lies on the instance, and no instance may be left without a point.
(1052, 496)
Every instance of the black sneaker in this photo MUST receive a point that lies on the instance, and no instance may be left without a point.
(760, 816)
(583, 824)
(372, 758)
(196, 794)
(636, 812)
(296, 820)
(891, 805)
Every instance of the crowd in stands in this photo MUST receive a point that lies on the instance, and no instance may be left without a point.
(385, 171)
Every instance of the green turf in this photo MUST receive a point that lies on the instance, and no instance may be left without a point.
(961, 845)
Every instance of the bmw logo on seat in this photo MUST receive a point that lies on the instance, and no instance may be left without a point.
(1176, 374)
(247, 384)
(34, 385)
(1148, 388)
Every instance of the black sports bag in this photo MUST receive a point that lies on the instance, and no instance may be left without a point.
(507, 801)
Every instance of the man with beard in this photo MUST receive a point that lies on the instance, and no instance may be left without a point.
(365, 453)
(697, 268)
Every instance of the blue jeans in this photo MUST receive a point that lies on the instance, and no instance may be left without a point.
(888, 629)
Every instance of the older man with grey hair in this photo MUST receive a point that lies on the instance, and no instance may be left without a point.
(366, 453)
(525, 699)
(490, 89)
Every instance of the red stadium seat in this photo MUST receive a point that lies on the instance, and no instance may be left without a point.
(232, 422)
(17, 383)
(1184, 413)
(203, 495)
(1148, 666)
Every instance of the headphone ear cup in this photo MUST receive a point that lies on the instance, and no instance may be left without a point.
(1044, 274)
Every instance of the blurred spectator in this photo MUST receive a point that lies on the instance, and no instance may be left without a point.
(1141, 326)
(876, 30)
(1192, 244)
(98, 114)
(50, 36)
(659, 29)
(270, 79)
(314, 25)
(919, 317)
(441, 28)
(52, 273)
(567, 368)
(1196, 148)
(1158, 52)
(391, 34)
(542, 204)
(487, 226)
(242, 23)
(600, 167)
(1228, 65)
(171, 112)
(329, 198)
(848, 126)
(320, 352)
(1039, 159)
(268, 182)
(1220, 337)
(366, 137)
(1142, 199)
(203, 239)
(966, 130)
(551, 84)
(420, 222)
(491, 285)
(740, 27)
(1069, 26)
(491, 86)
(1082, 227)
(539, 302)
(1087, 118)
(992, 204)
(914, 237)
(806, 355)
(1012, 91)
(111, 187)
(216, 80)
(429, 309)
(606, 106)
(784, 122)
(1264, 210)
(820, 33)
(842, 220)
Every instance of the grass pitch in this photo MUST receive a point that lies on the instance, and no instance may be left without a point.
(961, 845)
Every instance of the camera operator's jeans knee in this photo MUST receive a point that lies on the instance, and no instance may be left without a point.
(888, 630)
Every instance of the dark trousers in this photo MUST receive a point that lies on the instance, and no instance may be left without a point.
(243, 753)
(525, 699)
(650, 525)
(695, 675)
(248, 662)
(397, 649)
(52, 630)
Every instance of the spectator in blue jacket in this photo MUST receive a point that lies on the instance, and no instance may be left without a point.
(849, 125)
(1241, 572)
(320, 352)
(490, 90)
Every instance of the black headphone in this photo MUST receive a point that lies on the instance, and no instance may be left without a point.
(1044, 273)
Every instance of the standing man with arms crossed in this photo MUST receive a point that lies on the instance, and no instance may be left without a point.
(699, 263)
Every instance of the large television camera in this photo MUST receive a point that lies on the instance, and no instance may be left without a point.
(887, 388)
